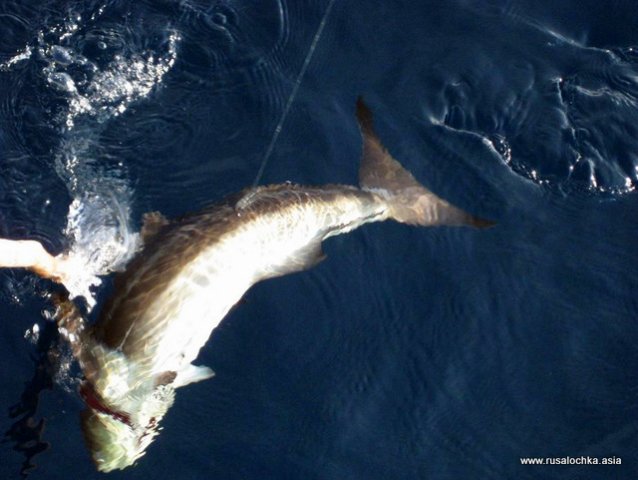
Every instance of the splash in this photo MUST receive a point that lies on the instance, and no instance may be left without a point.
(104, 93)
(33, 334)
(101, 241)
(25, 54)
(93, 87)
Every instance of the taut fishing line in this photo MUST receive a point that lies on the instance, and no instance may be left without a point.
(293, 93)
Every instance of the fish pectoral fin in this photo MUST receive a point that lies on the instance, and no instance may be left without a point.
(192, 374)
(311, 256)
(303, 259)
(152, 222)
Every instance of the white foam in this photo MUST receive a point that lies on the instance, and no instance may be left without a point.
(101, 242)
(22, 55)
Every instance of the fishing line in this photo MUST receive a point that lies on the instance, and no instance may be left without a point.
(293, 93)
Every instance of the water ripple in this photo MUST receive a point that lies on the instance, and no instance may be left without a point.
(226, 38)
(581, 114)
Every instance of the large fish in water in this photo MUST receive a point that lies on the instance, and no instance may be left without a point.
(192, 271)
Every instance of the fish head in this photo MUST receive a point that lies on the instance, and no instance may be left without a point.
(116, 439)
(125, 404)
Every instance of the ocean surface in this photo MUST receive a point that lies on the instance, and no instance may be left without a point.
(410, 353)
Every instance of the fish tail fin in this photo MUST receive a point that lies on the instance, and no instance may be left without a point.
(408, 201)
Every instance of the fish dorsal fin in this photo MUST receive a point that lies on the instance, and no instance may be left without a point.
(152, 222)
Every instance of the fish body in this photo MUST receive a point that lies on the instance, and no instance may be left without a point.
(192, 271)
(185, 282)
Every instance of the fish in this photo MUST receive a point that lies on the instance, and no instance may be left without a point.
(192, 270)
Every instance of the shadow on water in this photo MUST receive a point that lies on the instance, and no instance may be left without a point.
(26, 432)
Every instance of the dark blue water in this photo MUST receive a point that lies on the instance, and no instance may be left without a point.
(409, 353)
